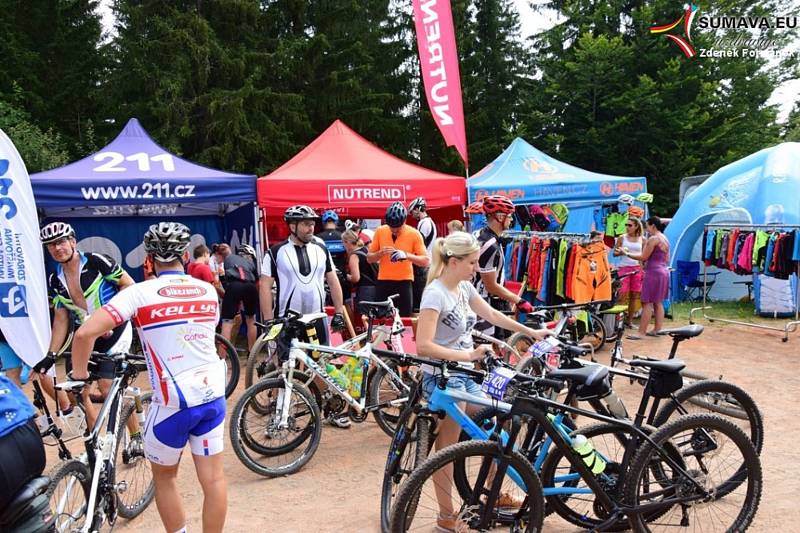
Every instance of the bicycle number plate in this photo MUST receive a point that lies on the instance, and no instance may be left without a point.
(273, 332)
(496, 383)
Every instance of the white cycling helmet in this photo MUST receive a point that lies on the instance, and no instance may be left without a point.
(246, 249)
(55, 231)
(167, 241)
(626, 199)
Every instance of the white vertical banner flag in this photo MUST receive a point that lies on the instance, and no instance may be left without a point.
(24, 314)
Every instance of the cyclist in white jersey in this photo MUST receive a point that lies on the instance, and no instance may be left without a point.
(176, 316)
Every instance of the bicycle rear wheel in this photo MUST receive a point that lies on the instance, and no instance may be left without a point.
(69, 495)
(726, 466)
(261, 361)
(259, 442)
(417, 506)
(131, 466)
(227, 351)
(721, 398)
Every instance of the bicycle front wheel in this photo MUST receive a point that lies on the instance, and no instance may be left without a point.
(719, 488)
(131, 466)
(419, 506)
(409, 448)
(261, 442)
(384, 387)
(68, 493)
(227, 351)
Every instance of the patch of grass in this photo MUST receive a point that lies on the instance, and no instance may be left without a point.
(743, 311)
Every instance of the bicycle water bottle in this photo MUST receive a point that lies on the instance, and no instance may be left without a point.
(336, 375)
(585, 449)
(356, 378)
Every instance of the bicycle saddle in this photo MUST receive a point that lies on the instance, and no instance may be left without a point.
(670, 366)
(379, 309)
(24, 497)
(684, 332)
(587, 375)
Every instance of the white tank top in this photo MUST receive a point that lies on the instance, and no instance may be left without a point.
(634, 247)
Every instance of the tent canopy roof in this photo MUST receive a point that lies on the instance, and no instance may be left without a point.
(758, 189)
(529, 176)
(341, 169)
(133, 169)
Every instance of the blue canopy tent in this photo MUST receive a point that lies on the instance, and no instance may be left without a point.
(529, 176)
(762, 188)
(133, 182)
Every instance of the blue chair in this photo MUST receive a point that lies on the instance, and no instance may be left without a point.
(691, 281)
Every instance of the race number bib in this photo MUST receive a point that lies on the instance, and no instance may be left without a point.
(497, 381)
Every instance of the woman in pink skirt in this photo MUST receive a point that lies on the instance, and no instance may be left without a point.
(631, 287)
(655, 285)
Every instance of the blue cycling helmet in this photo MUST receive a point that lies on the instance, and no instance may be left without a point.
(396, 215)
(330, 216)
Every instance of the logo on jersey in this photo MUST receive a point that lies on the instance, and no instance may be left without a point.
(183, 310)
(12, 300)
(184, 292)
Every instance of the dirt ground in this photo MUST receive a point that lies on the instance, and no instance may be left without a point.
(339, 490)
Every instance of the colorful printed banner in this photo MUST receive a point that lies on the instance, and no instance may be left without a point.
(438, 58)
(24, 314)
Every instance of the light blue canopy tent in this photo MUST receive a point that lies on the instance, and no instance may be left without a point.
(762, 188)
(529, 176)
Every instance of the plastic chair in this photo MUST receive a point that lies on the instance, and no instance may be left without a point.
(691, 281)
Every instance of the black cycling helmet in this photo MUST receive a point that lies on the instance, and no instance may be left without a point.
(167, 241)
(396, 215)
(246, 249)
(55, 231)
(296, 213)
(417, 203)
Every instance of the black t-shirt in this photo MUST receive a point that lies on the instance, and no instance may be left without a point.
(368, 272)
(333, 242)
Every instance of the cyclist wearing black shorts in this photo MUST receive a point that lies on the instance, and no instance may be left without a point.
(240, 290)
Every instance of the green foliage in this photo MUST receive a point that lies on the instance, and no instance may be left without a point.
(40, 150)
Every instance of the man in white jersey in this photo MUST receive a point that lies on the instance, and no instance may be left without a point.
(176, 316)
(426, 227)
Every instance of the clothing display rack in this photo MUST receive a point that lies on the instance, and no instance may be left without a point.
(789, 326)
(511, 234)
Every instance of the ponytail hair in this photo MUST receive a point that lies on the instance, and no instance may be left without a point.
(458, 244)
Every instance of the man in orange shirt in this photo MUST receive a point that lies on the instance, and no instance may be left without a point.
(397, 247)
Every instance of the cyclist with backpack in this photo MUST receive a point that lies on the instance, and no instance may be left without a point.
(241, 291)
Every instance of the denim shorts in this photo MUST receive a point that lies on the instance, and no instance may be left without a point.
(456, 382)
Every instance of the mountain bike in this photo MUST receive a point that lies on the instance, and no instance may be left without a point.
(671, 477)
(276, 425)
(112, 477)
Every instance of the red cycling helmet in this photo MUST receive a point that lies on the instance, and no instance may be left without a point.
(497, 204)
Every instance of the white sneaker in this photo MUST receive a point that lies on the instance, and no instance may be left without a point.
(339, 421)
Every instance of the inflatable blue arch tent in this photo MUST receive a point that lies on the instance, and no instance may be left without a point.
(762, 188)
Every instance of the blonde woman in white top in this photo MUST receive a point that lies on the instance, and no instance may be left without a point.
(631, 289)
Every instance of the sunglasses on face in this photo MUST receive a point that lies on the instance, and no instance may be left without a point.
(630, 225)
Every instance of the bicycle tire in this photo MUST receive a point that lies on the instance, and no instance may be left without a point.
(243, 443)
(530, 366)
(410, 491)
(74, 468)
(745, 407)
(135, 509)
(231, 358)
(401, 455)
(385, 420)
(521, 343)
(644, 458)
(596, 334)
(260, 362)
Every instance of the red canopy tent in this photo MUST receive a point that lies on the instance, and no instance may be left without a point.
(343, 171)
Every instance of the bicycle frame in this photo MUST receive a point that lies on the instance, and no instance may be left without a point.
(299, 352)
(100, 449)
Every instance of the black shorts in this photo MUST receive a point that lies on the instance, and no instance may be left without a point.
(104, 369)
(22, 454)
(405, 303)
(237, 292)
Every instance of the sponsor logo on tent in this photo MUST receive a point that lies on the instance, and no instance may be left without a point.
(512, 194)
(534, 165)
(183, 292)
(611, 189)
(366, 194)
